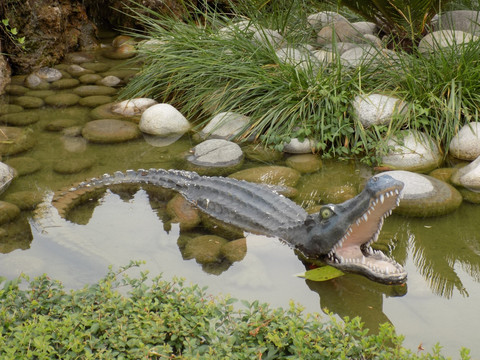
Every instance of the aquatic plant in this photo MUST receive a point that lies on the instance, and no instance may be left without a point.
(125, 317)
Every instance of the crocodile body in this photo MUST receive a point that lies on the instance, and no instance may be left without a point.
(340, 235)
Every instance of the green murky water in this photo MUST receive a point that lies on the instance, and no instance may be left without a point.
(441, 255)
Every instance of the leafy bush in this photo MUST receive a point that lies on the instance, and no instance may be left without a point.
(131, 318)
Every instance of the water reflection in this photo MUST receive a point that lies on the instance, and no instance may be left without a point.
(439, 246)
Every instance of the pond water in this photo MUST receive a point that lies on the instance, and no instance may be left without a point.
(439, 303)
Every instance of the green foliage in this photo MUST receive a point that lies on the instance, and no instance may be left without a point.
(322, 273)
(12, 34)
(121, 317)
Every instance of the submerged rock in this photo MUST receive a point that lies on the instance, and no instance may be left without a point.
(24, 165)
(305, 163)
(8, 212)
(260, 153)
(205, 249)
(14, 140)
(272, 175)
(234, 250)
(64, 84)
(183, 212)
(95, 100)
(9, 109)
(72, 165)
(110, 131)
(133, 107)
(25, 200)
(91, 90)
(29, 102)
(60, 124)
(23, 118)
(6, 176)
(61, 100)
(48, 74)
(425, 196)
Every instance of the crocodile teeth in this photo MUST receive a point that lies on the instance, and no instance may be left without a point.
(382, 198)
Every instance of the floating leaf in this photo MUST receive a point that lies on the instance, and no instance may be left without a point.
(323, 273)
(5, 22)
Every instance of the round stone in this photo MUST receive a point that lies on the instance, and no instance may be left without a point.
(15, 140)
(258, 152)
(60, 124)
(25, 200)
(65, 84)
(23, 118)
(304, 163)
(183, 212)
(48, 74)
(272, 175)
(133, 107)
(24, 165)
(109, 81)
(110, 131)
(377, 109)
(468, 176)
(105, 112)
(225, 125)
(29, 102)
(89, 78)
(72, 166)
(8, 212)
(9, 109)
(96, 100)
(124, 51)
(295, 146)
(216, 153)
(424, 195)
(62, 100)
(91, 90)
(77, 70)
(163, 120)
(33, 81)
(79, 57)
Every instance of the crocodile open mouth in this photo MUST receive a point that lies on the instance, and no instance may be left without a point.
(353, 251)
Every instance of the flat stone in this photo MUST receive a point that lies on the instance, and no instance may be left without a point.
(91, 90)
(109, 81)
(29, 102)
(414, 152)
(468, 176)
(258, 152)
(77, 70)
(443, 39)
(72, 166)
(225, 125)
(60, 124)
(424, 195)
(89, 78)
(16, 90)
(110, 131)
(33, 81)
(105, 112)
(271, 175)
(7, 174)
(62, 100)
(42, 94)
(65, 84)
(465, 144)
(124, 51)
(96, 66)
(216, 153)
(10, 109)
(304, 163)
(14, 140)
(24, 165)
(23, 118)
(79, 57)
(163, 120)
(95, 100)
(377, 109)
(48, 74)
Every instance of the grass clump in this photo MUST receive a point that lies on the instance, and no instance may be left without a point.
(123, 317)
(212, 63)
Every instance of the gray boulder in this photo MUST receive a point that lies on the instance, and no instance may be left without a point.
(377, 109)
(443, 39)
(295, 146)
(216, 153)
(465, 144)
(463, 20)
(340, 31)
(468, 176)
(225, 125)
(413, 151)
(133, 107)
(324, 18)
(268, 37)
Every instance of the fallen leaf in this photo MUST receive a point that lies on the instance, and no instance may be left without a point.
(323, 273)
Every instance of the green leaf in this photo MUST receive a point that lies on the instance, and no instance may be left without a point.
(323, 273)
(14, 31)
(5, 22)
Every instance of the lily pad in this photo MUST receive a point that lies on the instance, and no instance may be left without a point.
(323, 273)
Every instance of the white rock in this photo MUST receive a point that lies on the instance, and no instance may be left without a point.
(468, 176)
(295, 146)
(225, 125)
(6, 176)
(216, 152)
(48, 74)
(109, 80)
(377, 109)
(133, 107)
(324, 18)
(163, 120)
(292, 56)
(415, 152)
(465, 144)
(415, 185)
(268, 37)
(444, 38)
(365, 27)
(463, 20)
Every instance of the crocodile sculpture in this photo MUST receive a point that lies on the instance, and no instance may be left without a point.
(340, 235)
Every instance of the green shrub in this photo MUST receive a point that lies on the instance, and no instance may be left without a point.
(133, 318)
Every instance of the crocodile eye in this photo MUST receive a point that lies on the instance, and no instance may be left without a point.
(326, 212)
